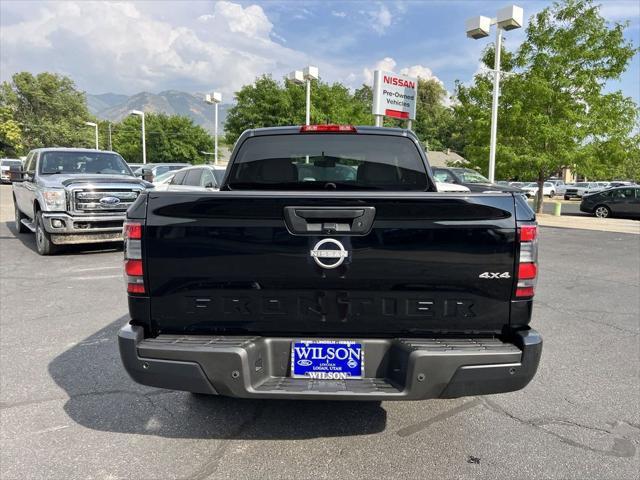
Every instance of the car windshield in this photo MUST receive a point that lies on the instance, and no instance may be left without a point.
(471, 176)
(328, 162)
(11, 163)
(219, 175)
(83, 162)
(165, 177)
(581, 184)
(531, 184)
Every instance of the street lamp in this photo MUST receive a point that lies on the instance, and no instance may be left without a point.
(305, 76)
(508, 18)
(144, 143)
(214, 99)
(95, 125)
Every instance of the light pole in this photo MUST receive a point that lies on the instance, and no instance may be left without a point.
(110, 146)
(95, 125)
(214, 99)
(300, 77)
(144, 143)
(508, 18)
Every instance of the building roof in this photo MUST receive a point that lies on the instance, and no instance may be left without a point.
(447, 158)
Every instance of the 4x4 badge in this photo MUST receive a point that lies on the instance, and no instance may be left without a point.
(494, 275)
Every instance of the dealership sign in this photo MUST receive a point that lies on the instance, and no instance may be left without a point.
(394, 95)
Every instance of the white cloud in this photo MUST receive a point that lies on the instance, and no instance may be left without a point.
(620, 10)
(338, 14)
(250, 21)
(381, 19)
(389, 64)
(109, 46)
(420, 71)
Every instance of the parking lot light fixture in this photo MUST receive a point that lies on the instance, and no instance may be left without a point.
(214, 99)
(144, 143)
(305, 76)
(95, 125)
(508, 18)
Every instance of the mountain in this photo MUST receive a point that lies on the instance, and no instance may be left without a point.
(97, 103)
(114, 107)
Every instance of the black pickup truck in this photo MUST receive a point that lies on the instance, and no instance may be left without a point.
(328, 267)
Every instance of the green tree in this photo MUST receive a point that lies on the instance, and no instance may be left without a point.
(47, 109)
(169, 138)
(10, 134)
(554, 111)
(268, 103)
(434, 121)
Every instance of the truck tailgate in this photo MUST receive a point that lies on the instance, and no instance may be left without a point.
(228, 262)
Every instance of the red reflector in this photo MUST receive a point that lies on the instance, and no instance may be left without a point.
(396, 113)
(527, 271)
(133, 268)
(133, 230)
(328, 128)
(135, 287)
(524, 292)
(528, 233)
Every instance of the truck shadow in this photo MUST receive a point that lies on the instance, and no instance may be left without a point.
(29, 241)
(103, 397)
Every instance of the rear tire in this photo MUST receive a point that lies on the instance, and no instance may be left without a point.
(567, 197)
(44, 245)
(602, 211)
(20, 227)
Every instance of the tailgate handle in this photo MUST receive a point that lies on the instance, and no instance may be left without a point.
(329, 220)
(327, 213)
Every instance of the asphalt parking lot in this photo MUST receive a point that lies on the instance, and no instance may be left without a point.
(68, 409)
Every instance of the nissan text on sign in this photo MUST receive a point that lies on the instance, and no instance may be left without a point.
(394, 95)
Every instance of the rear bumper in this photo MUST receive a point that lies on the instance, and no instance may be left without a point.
(68, 229)
(586, 208)
(395, 369)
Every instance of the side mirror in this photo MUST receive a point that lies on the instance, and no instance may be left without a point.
(16, 174)
(147, 174)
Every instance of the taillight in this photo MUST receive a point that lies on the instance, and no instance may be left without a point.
(527, 261)
(133, 266)
(328, 128)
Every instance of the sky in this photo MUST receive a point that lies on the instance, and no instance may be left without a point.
(200, 46)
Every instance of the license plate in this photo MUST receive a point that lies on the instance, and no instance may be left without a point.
(327, 359)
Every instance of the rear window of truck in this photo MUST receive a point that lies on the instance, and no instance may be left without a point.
(328, 162)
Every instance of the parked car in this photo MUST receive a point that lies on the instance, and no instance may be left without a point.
(471, 179)
(368, 288)
(613, 202)
(164, 178)
(581, 188)
(158, 169)
(531, 189)
(71, 196)
(199, 177)
(219, 172)
(5, 167)
(620, 183)
(451, 187)
(135, 166)
(558, 186)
